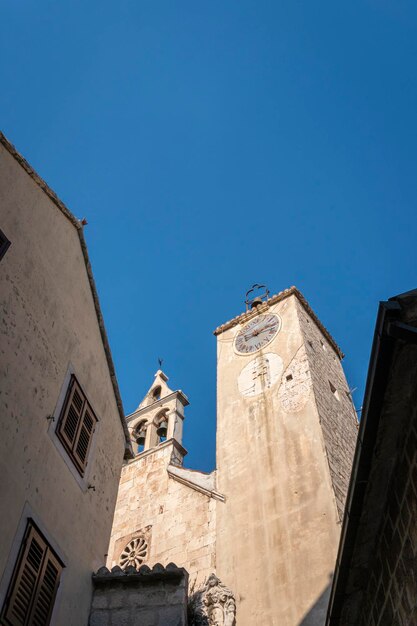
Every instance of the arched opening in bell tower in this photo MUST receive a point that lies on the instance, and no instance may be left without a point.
(139, 436)
(161, 425)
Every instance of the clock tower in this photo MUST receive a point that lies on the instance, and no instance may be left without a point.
(286, 430)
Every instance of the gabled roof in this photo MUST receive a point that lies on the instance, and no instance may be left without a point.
(79, 228)
(166, 394)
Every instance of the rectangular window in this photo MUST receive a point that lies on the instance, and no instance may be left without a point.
(35, 581)
(76, 425)
(4, 244)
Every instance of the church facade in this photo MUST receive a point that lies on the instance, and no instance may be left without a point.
(266, 522)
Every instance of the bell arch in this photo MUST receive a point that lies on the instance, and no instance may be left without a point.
(161, 425)
(161, 409)
(139, 435)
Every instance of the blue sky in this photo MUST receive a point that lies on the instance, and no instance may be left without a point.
(212, 145)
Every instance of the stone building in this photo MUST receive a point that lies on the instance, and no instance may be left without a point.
(375, 581)
(165, 513)
(253, 542)
(267, 521)
(62, 431)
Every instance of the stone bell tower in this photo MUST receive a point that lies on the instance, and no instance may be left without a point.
(286, 430)
(164, 512)
(158, 418)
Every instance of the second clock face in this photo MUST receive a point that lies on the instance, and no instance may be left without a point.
(257, 333)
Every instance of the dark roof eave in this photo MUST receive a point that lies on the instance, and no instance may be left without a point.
(378, 372)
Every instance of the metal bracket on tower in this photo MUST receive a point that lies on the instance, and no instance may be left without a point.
(257, 299)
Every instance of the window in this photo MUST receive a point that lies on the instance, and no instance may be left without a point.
(156, 393)
(134, 553)
(34, 583)
(4, 244)
(76, 425)
(334, 391)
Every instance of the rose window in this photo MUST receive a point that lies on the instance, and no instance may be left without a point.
(134, 553)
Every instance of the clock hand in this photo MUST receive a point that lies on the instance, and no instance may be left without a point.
(259, 332)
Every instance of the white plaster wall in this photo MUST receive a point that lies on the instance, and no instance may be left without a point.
(48, 323)
(277, 532)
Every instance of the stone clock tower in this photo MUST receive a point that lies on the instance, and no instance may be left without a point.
(258, 536)
(286, 430)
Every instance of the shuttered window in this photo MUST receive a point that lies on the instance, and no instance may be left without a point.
(4, 244)
(30, 598)
(76, 425)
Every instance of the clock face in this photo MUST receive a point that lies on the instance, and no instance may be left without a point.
(257, 333)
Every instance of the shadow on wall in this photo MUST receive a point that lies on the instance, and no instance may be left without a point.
(316, 616)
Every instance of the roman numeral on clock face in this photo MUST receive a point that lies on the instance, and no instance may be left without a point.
(257, 333)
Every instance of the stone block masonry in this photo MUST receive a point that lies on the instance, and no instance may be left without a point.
(334, 404)
(392, 589)
(176, 521)
(143, 597)
(279, 520)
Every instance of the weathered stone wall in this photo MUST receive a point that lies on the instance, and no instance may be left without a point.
(49, 323)
(279, 521)
(390, 597)
(156, 597)
(178, 521)
(336, 411)
(376, 581)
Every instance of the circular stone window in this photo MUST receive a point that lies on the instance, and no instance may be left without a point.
(134, 553)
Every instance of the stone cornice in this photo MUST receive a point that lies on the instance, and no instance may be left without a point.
(160, 446)
(159, 403)
(144, 574)
(211, 493)
(39, 181)
(282, 295)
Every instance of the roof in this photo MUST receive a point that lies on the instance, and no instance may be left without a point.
(386, 411)
(78, 226)
(131, 575)
(282, 295)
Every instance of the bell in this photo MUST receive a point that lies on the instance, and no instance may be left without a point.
(140, 438)
(162, 429)
(255, 302)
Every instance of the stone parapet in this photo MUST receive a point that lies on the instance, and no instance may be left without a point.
(131, 597)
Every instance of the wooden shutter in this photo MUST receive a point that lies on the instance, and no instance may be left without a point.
(34, 583)
(46, 591)
(76, 425)
(72, 413)
(85, 435)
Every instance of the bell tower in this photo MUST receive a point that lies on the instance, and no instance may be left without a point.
(159, 417)
(164, 512)
(286, 431)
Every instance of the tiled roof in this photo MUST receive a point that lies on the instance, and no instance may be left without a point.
(144, 573)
